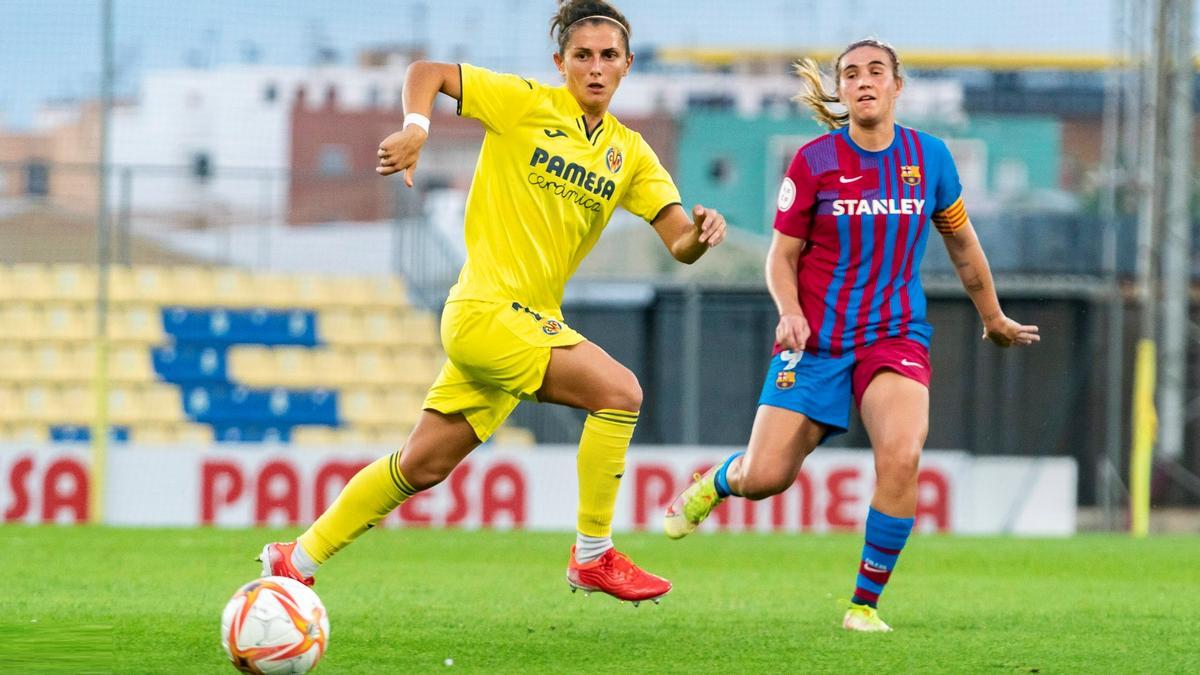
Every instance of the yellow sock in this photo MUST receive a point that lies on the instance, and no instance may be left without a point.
(369, 496)
(601, 463)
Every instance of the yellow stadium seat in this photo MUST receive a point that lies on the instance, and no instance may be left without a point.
(161, 402)
(335, 367)
(124, 404)
(20, 320)
(251, 365)
(136, 323)
(54, 362)
(10, 403)
(29, 432)
(293, 367)
(373, 366)
(314, 435)
(129, 363)
(139, 284)
(351, 291)
(340, 326)
(232, 288)
(42, 404)
(16, 362)
(201, 434)
(315, 291)
(153, 433)
(275, 290)
(72, 282)
(388, 291)
(416, 368)
(70, 321)
(382, 327)
(356, 436)
(362, 406)
(190, 287)
(31, 281)
(514, 436)
(7, 291)
(392, 435)
(420, 328)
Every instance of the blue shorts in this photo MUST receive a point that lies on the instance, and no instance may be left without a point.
(822, 388)
(817, 387)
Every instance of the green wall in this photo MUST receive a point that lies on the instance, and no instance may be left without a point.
(724, 158)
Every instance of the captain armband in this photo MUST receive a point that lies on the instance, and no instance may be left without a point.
(951, 219)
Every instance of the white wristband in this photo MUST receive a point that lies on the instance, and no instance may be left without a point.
(417, 119)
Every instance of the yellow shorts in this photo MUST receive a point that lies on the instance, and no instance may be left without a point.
(498, 354)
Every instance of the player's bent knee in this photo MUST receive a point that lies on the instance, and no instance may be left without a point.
(624, 394)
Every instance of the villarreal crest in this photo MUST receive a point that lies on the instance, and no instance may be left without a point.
(911, 174)
(614, 159)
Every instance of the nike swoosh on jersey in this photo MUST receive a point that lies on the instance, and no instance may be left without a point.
(848, 180)
(912, 364)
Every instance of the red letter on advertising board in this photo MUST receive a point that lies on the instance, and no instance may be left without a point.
(840, 497)
(270, 498)
(653, 489)
(54, 497)
(341, 472)
(16, 478)
(411, 511)
(503, 490)
(933, 498)
(458, 494)
(229, 476)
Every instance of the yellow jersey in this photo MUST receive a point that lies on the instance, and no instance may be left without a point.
(544, 188)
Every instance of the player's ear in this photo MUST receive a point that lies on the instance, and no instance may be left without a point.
(558, 63)
(628, 64)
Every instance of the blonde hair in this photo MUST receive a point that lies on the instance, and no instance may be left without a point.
(813, 92)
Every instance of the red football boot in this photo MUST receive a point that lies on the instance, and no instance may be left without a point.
(614, 573)
(276, 561)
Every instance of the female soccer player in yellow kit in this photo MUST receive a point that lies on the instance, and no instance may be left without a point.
(553, 166)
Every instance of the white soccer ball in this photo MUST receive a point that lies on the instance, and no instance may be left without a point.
(274, 625)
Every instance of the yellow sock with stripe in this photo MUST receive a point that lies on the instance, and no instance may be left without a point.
(369, 496)
(601, 464)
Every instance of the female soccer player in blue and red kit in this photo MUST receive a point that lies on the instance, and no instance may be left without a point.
(853, 219)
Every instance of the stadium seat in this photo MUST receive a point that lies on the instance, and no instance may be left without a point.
(232, 288)
(72, 282)
(340, 326)
(129, 363)
(16, 362)
(251, 365)
(69, 321)
(197, 434)
(316, 292)
(293, 367)
(275, 291)
(160, 402)
(153, 433)
(190, 287)
(381, 327)
(10, 403)
(43, 404)
(362, 406)
(139, 284)
(373, 366)
(136, 323)
(30, 281)
(55, 362)
(20, 320)
(28, 432)
(305, 434)
(420, 328)
(334, 367)
(388, 292)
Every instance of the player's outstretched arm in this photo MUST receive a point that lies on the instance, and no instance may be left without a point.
(688, 238)
(422, 82)
(972, 266)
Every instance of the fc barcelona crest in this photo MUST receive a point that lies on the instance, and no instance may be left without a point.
(786, 379)
(911, 175)
(614, 159)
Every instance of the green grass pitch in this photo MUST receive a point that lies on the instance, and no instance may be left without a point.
(95, 600)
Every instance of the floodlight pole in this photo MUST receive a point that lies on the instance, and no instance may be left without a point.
(100, 378)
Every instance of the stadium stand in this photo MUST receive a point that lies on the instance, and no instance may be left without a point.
(202, 354)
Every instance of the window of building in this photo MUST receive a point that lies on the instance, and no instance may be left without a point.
(333, 159)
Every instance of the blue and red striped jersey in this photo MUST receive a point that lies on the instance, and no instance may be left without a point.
(866, 216)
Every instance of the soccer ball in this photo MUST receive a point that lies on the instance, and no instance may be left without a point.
(274, 625)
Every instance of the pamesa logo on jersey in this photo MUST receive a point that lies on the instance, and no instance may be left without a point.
(576, 182)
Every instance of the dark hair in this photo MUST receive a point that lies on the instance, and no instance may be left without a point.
(814, 94)
(563, 23)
